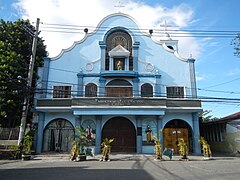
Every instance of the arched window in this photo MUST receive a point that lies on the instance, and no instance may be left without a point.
(146, 90)
(119, 88)
(114, 39)
(91, 90)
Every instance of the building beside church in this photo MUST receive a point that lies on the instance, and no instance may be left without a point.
(223, 135)
(117, 82)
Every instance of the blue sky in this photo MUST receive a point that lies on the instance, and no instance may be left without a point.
(217, 69)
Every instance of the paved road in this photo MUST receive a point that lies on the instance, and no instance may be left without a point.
(122, 167)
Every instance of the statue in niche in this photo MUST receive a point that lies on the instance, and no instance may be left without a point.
(148, 134)
(119, 65)
(89, 133)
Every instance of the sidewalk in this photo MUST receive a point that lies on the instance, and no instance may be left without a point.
(52, 157)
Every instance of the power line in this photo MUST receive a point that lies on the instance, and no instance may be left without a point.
(219, 91)
(203, 98)
(162, 85)
(134, 28)
(199, 89)
(60, 28)
(176, 36)
(223, 83)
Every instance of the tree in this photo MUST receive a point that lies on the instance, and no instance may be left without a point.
(236, 44)
(206, 117)
(15, 53)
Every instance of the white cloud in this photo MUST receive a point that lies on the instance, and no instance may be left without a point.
(234, 72)
(200, 78)
(91, 12)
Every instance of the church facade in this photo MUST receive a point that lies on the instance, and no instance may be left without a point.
(117, 82)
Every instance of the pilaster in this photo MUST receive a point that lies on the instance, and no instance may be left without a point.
(103, 52)
(102, 82)
(136, 92)
(139, 134)
(135, 56)
(80, 84)
(45, 76)
(41, 119)
(158, 85)
(192, 78)
(98, 134)
(196, 134)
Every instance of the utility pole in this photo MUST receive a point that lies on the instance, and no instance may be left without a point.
(29, 85)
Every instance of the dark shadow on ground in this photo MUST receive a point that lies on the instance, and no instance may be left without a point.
(65, 173)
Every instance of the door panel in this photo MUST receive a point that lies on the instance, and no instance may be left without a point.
(123, 132)
(172, 135)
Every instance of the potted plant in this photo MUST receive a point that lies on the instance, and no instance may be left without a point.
(26, 146)
(205, 148)
(183, 149)
(106, 150)
(158, 147)
(80, 141)
(158, 150)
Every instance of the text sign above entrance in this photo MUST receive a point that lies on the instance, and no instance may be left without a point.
(118, 102)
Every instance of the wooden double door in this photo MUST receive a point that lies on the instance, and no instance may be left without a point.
(171, 137)
(123, 132)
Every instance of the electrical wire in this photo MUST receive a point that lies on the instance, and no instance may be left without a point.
(52, 25)
(199, 89)
(61, 28)
(223, 83)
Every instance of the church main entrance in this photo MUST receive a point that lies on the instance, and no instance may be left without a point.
(123, 132)
(173, 131)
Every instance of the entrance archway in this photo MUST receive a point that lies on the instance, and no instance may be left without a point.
(57, 135)
(123, 132)
(174, 130)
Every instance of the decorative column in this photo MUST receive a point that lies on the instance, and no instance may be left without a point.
(41, 119)
(135, 56)
(126, 67)
(196, 134)
(111, 64)
(45, 76)
(103, 51)
(102, 82)
(139, 134)
(157, 85)
(98, 134)
(80, 84)
(192, 77)
(136, 92)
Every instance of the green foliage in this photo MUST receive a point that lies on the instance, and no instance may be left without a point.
(106, 149)
(206, 117)
(13, 147)
(236, 44)
(107, 142)
(183, 148)
(15, 54)
(27, 143)
(80, 139)
(205, 147)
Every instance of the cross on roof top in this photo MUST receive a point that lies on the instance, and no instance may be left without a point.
(165, 26)
(119, 6)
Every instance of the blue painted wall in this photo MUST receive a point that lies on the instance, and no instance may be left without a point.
(64, 69)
